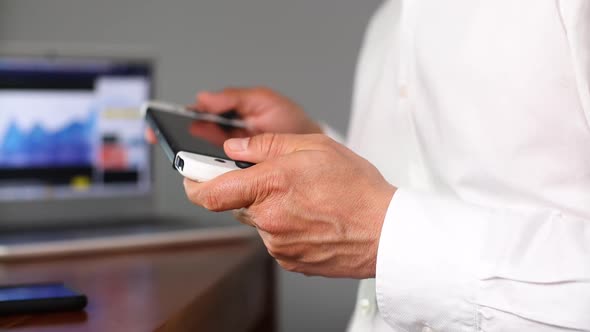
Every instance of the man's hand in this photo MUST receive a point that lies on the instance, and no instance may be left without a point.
(318, 207)
(264, 110)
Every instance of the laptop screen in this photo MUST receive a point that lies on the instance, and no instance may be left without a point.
(71, 127)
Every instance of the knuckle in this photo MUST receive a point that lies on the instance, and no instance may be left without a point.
(267, 143)
(270, 251)
(263, 91)
(271, 226)
(289, 266)
(210, 201)
(269, 140)
(273, 252)
(275, 248)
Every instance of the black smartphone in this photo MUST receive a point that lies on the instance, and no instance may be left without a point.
(38, 298)
(193, 142)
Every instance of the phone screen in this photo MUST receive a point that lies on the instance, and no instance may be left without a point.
(183, 133)
(33, 292)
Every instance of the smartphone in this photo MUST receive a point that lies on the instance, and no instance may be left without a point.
(193, 141)
(38, 298)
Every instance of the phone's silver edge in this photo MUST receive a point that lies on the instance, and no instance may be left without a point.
(182, 110)
(117, 243)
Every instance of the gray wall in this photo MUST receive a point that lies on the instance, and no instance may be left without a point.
(304, 48)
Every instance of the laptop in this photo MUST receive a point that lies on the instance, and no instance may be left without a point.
(75, 172)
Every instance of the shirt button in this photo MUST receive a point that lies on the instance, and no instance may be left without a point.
(365, 306)
(427, 329)
(403, 91)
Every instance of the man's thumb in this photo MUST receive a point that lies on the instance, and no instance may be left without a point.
(260, 148)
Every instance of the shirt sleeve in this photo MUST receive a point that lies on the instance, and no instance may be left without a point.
(447, 265)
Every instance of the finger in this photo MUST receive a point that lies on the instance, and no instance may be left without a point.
(150, 136)
(259, 148)
(220, 102)
(233, 190)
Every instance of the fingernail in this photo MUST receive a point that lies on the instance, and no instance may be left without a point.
(238, 144)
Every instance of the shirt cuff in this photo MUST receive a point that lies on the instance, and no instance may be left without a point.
(422, 281)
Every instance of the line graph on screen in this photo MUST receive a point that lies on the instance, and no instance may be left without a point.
(43, 131)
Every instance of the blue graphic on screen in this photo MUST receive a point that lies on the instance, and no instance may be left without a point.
(72, 144)
(71, 128)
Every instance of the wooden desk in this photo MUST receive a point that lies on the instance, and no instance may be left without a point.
(209, 287)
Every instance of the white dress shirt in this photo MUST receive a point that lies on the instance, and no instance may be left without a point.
(479, 112)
